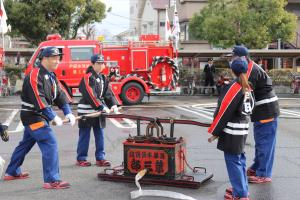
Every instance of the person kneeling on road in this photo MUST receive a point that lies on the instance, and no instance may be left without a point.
(40, 91)
(96, 96)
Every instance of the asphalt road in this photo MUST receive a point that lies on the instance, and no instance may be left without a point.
(85, 184)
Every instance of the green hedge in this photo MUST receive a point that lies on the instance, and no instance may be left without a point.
(282, 76)
(14, 73)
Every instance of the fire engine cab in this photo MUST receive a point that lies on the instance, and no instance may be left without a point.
(135, 69)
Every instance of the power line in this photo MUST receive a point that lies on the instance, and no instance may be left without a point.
(118, 25)
(130, 18)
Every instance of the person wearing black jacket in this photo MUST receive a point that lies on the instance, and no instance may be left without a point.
(264, 118)
(40, 91)
(209, 72)
(230, 126)
(96, 96)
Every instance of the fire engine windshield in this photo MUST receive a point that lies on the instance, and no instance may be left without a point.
(81, 53)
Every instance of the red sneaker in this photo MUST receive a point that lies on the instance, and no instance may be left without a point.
(228, 196)
(83, 163)
(250, 172)
(56, 185)
(229, 190)
(258, 180)
(23, 175)
(103, 163)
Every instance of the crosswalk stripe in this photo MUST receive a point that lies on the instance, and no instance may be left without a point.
(196, 113)
(11, 117)
(20, 128)
(290, 112)
(119, 125)
(210, 113)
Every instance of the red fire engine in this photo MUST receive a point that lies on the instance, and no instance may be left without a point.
(135, 68)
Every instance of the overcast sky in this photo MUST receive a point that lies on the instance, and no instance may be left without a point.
(118, 20)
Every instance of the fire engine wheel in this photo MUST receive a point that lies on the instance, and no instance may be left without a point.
(132, 93)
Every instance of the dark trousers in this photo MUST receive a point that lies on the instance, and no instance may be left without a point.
(209, 81)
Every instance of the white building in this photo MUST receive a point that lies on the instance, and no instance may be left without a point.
(148, 17)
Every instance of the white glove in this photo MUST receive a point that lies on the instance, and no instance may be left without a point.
(115, 109)
(58, 121)
(106, 109)
(72, 119)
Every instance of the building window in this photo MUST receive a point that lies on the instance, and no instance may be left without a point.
(161, 24)
(172, 3)
(298, 62)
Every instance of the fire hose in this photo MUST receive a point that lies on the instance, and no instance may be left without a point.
(143, 118)
(151, 119)
(155, 193)
(5, 134)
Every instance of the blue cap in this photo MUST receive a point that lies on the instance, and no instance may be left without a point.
(50, 51)
(97, 58)
(240, 51)
(239, 66)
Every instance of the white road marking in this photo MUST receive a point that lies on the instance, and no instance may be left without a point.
(207, 109)
(8, 109)
(205, 105)
(130, 122)
(119, 125)
(11, 117)
(194, 112)
(210, 112)
(290, 112)
(289, 117)
(20, 128)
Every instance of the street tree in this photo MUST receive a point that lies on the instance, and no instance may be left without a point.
(35, 19)
(254, 23)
